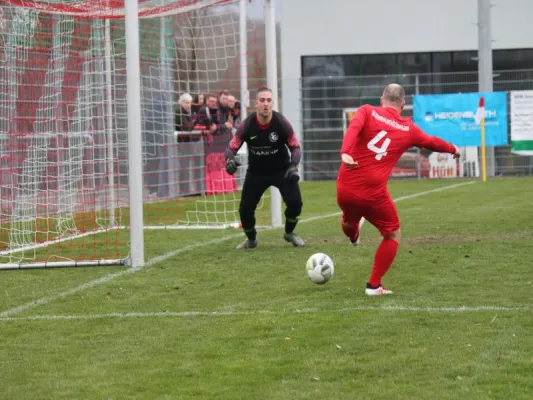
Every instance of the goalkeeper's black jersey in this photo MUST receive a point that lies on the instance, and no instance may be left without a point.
(267, 144)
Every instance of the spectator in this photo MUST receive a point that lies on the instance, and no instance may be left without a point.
(188, 160)
(225, 117)
(197, 103)
(236, 112)
(231, 109)
(223, 100)
(183, 118)
(217, 179)
(208, 115)
(231, 102)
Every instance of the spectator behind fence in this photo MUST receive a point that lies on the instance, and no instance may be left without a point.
(217, 179)
(208, 115)
(231, 111)
(197, 103)
(236, 112)
(225, 121)
(188, 156)
(184, 119)
(231, 102)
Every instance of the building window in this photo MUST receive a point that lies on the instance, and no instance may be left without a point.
(512, 59)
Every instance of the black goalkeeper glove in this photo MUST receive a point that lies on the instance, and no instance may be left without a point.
(292, 174)
(232, 165)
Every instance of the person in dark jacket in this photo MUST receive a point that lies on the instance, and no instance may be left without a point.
(197, 103)
(184, 119)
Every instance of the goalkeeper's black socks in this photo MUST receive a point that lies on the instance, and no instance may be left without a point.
(251, 234)
(290, 224)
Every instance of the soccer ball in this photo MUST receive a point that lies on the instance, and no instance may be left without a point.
(320, 268)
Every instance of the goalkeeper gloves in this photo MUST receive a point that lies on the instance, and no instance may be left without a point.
(232, 165)
(292, 173)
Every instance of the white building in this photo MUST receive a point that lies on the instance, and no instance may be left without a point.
(324, 41)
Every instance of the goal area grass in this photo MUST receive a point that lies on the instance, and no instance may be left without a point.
(203, 320)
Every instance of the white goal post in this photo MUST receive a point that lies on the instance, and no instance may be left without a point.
(90, 153)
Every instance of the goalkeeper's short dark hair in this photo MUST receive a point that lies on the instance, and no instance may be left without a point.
(262, 89)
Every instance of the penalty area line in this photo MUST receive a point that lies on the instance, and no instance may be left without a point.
(187, 314)
(107, 278)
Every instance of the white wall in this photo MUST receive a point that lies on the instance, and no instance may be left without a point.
(321, 27)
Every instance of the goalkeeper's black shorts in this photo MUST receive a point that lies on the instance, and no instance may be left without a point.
(255, 186)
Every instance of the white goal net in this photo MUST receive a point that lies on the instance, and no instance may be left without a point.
(63, 123)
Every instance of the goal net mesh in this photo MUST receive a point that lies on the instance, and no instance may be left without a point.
(63, 122)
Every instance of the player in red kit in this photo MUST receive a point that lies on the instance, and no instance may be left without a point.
(374, 142)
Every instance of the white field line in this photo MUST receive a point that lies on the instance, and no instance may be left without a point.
(187, 314)
(166, 256)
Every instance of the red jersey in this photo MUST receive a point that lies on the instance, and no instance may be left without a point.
(376, 138)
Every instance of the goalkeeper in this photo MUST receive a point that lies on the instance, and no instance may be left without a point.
(268, 134)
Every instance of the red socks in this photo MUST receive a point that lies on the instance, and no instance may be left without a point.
(351, 231)
(385, 255)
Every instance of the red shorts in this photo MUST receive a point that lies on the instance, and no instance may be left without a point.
(380, 212)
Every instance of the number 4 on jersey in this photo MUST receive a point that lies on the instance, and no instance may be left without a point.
(382, 150)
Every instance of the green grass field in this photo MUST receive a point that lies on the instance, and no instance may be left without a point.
(205, 321)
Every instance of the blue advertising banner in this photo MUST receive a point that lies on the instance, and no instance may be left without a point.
(452, 117)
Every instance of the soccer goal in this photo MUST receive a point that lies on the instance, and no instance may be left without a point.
(90, 152)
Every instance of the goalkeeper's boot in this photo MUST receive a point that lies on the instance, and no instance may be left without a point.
(248, 244)
(293, 238)
(379, 291)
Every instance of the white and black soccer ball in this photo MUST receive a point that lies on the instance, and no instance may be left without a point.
(320, 268)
